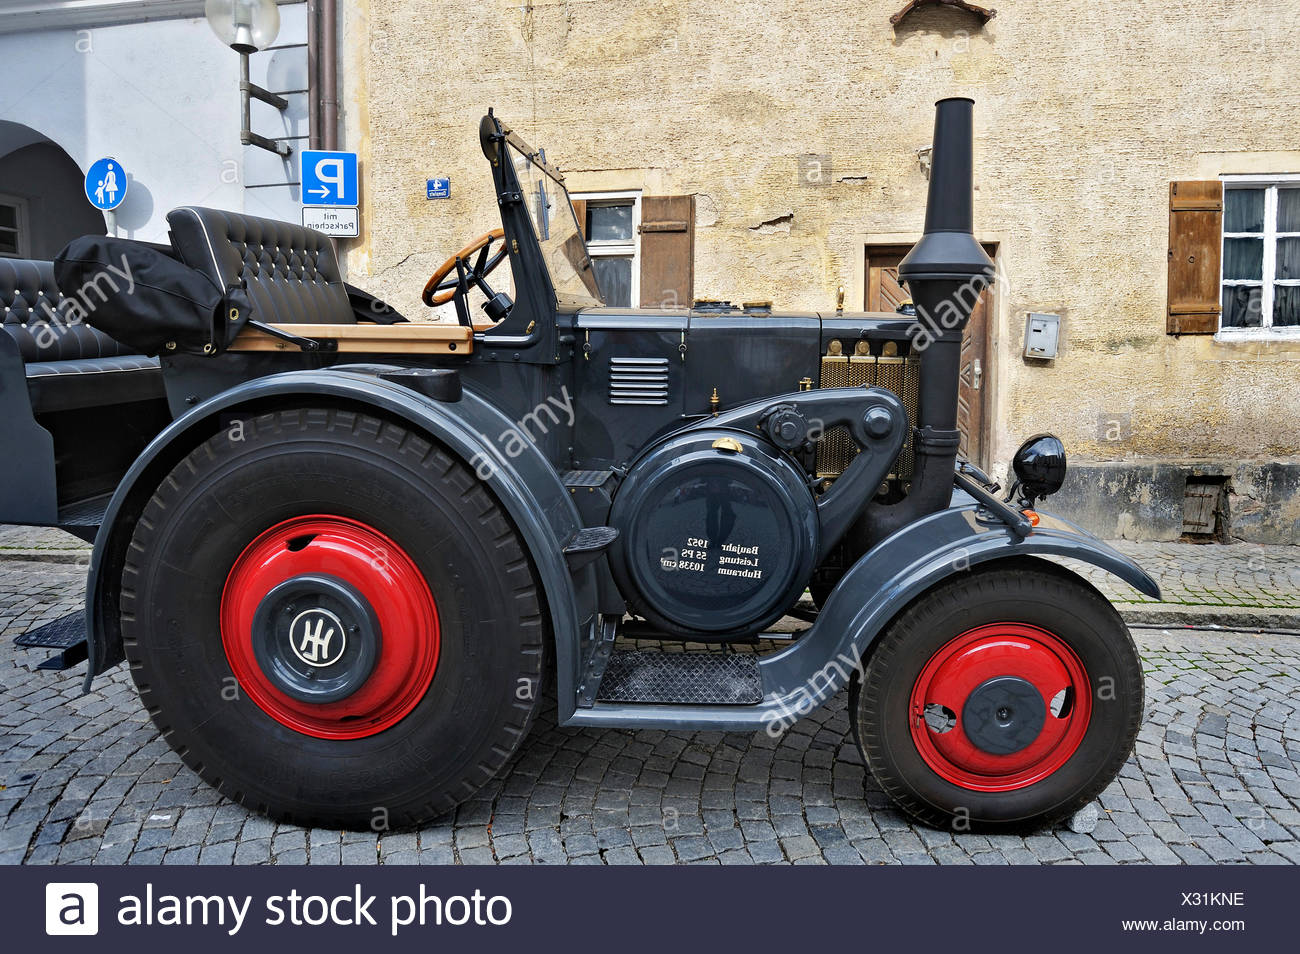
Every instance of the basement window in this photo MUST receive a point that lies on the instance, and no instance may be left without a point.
(1205, 510)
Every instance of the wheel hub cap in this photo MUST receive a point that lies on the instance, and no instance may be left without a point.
(316, 638)
(1003, 715)
(330, 627)
(1000, 707)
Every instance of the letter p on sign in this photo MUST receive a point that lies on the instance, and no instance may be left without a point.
(71, 908)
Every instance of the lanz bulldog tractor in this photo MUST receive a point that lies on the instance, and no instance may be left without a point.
(344, 555)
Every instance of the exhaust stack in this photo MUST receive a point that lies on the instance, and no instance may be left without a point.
(946, 272)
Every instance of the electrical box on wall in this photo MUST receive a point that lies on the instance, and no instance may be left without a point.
(1042, 335)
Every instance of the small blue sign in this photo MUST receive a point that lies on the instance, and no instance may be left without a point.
(329, 178)
(439, 189)
(106, 184)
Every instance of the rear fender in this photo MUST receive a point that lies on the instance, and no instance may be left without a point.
(526, 484)
(897, 570)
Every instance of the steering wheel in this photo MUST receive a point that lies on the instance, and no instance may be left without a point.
(440, 288)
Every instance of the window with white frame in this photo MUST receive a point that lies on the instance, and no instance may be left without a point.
(1261, 253)
(611, 223)
(13, 227)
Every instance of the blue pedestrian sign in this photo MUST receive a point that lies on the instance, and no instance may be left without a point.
(106, 184)
(439, 189)
(329, 178)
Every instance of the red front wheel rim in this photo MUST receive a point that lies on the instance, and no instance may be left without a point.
(1000, 707)
(396, 612)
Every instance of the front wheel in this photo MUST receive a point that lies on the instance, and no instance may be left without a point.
(1007, 698)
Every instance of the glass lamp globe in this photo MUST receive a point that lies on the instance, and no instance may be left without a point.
(245, 26)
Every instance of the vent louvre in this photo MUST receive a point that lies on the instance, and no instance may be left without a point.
(638, 381)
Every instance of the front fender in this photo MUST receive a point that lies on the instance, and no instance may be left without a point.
(896, 571)
(526, 484)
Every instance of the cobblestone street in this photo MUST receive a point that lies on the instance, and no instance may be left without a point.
(85, 779)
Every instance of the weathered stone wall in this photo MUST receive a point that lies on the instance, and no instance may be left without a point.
(1085, 112)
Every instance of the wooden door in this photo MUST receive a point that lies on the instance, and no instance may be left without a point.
(885, 292)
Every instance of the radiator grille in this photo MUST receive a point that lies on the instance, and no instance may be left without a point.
(638, 381)
(836, 450)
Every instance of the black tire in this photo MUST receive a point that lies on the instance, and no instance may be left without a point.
(288, 464)
(1028, 592)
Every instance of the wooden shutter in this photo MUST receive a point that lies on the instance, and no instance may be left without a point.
(1195, 246)
(667, 251)
(580, 213)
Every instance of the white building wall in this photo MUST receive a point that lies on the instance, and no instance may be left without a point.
(163, 98)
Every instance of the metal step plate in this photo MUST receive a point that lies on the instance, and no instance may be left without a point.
(723, 679)
(67, 634)
(586, 478)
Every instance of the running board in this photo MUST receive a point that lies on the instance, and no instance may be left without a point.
(66, 634)
(588, 544)
(83, 519)
(653, 677)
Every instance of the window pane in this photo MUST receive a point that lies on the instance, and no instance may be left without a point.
(609, 223)
(8, 243)
(8, 217)
(614, 275)
(1241, 306)
(1288, 258)
(1243, 210)
(1286, 305)
(1243, 259)
(1288, 210)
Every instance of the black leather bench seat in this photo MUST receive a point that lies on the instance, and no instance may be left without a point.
(68, 364)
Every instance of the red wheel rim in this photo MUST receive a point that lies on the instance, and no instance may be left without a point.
(384, 575)
(1030, 655)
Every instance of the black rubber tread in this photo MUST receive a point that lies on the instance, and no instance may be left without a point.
(493, 629)
(1027, 591)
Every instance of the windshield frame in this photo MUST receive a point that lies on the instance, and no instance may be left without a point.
(545, 216)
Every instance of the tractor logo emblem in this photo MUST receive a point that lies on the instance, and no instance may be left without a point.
(317, 637)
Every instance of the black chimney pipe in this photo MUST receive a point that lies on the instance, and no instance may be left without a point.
(946, 272)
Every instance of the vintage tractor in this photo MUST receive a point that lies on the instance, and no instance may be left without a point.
(343, 554)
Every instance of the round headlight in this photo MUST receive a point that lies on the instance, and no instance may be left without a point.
(1039, 465)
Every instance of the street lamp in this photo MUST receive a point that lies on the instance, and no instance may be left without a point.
(247, 26)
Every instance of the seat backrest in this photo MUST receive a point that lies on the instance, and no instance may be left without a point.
(291, 273)
(34, 316)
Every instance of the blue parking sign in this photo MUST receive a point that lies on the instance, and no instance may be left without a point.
(329, 178)
(106, 184)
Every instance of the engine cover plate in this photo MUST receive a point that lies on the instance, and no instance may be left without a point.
(718, 534)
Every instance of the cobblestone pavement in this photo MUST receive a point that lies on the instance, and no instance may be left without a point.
(85, 779)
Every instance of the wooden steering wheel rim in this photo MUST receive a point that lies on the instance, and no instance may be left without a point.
(446, 267)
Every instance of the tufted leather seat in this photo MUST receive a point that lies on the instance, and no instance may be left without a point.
(68, 363)
(291, 273)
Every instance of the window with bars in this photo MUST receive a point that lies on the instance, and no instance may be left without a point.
(13, 227)
(611, 222)
(1261, 253)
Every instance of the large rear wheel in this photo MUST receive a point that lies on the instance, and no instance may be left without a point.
(332, 621)
(1006, 698)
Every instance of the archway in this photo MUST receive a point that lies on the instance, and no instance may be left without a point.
(42, 202)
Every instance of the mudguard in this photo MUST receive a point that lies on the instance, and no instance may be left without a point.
(526, 484)
(873, 591)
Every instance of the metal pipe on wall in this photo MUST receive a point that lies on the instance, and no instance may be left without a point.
(329, 75)
(313, 74)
